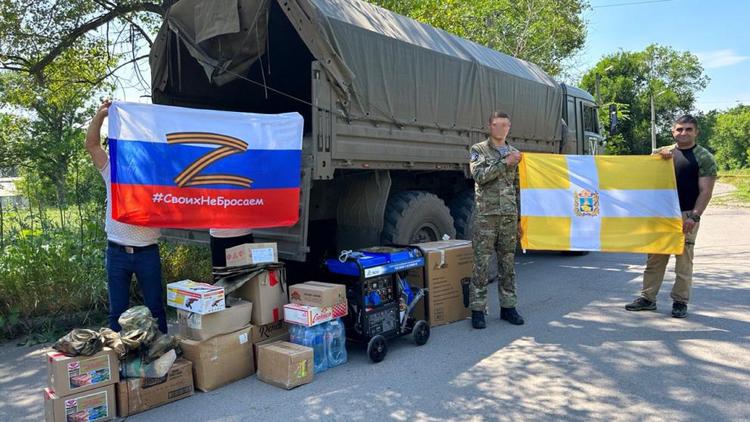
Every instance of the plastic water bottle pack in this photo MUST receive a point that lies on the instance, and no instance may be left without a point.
(328, 341)
(314, 338)
(335, 342)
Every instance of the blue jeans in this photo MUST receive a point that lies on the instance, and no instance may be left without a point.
(146, 265)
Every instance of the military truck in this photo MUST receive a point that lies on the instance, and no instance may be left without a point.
(391, 107)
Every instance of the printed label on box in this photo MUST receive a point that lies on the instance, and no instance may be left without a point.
(262, 255)
(313, 315)
(89, 408)
(89, 372)
(243, 338)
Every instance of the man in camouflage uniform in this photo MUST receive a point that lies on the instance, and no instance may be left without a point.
(695, 171)
(494, 167)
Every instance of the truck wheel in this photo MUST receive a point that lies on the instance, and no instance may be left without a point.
(462, 210)
(416, 217)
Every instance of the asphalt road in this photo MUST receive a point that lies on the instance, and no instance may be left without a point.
(580, 356)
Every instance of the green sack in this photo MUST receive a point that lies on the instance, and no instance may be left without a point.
(160, 346)
(80, 342)
(136, 367)
(113, 340)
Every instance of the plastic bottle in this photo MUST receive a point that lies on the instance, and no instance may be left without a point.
(336, 343)
(318, 343)
(295, 333)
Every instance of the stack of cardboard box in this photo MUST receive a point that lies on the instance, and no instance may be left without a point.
(216, 338)
(82, 387)
(221, 343)
(267, 291)
(315, 302)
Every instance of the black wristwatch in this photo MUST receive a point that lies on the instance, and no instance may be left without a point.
(693, 216)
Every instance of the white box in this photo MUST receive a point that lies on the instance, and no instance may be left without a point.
(251, 254)
(313, 315)
(201, 298)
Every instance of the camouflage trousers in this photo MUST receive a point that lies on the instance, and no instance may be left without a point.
(494, 234)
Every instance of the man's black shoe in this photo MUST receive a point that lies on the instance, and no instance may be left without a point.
(641, 304)
(679, 310)
(477, 320)
(511, 315)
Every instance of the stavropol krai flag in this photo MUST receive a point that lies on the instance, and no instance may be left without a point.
(600, 203)
(190, 168)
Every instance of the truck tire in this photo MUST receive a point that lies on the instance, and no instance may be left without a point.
(416, 217)
(462, 210)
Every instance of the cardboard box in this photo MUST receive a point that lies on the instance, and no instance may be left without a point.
(448, 264)
(252, 253)
(201, 298)
(199, 327)
(279, 336)
(314, 293)
(71, 375)
(268, 293)
(96, 405)
(137, 395)
(286, 365)
(308, 316)
(220, 360)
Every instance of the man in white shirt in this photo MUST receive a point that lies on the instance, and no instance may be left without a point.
(130, 249)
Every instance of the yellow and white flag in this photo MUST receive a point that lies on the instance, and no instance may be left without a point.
(600, 203)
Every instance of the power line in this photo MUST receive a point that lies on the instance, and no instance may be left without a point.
(630, 3)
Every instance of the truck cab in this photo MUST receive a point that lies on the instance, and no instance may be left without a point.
(581, 128)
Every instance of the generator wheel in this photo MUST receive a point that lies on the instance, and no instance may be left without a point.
(421, 332)
(377, 348)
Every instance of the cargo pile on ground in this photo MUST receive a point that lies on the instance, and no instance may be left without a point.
(248, 319)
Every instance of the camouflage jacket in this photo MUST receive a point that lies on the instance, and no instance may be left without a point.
(496, 185)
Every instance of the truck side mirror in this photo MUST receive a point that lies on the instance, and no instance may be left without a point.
(612, 118)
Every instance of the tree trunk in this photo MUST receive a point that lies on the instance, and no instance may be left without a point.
(61, 196)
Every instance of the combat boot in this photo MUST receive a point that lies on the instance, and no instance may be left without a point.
(641, 304)
(477, 320)
(679, 310)
(511, 315)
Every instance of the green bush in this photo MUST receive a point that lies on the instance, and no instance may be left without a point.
(181, 261)
(52, 276)
(49, 274)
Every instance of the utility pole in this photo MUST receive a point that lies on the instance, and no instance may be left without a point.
(653, 123)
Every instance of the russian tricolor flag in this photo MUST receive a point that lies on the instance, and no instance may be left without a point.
(189, 168)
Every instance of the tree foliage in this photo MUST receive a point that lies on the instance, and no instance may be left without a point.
(674, 78)
(731, 138)
(34, 34)
(545, 32)
(50, 114)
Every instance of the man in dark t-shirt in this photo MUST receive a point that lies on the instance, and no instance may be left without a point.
(695, 171)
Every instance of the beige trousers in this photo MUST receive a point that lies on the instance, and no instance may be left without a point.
(656, 265)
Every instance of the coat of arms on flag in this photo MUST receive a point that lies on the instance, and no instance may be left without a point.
(586, 203)
(189, 168)
(600, 203)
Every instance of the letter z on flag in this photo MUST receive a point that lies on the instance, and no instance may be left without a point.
(188, 168)
(600, 203)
